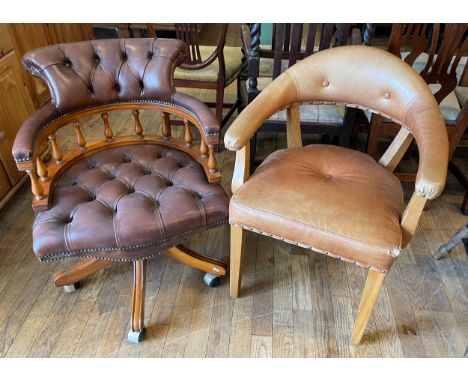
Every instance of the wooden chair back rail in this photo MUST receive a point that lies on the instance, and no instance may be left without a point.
(287, 42)
(408, 34)
(444, 54)
(443, 68)
(43, 176)
(189, 34)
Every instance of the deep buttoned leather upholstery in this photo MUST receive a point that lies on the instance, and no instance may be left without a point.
(91, 73)
(94, 72)
(328, 198)
(128, 203)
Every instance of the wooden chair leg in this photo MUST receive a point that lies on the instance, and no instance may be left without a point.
(138, 330)
(219, 103)
(369, 297)
(374, 134)
(70, 277)
(237, 251)
(464, 206)
(239, 95)
(348, 126)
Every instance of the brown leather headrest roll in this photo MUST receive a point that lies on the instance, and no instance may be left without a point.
(88, 73)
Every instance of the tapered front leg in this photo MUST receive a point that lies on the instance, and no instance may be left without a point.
(138, 330)
(237, 251)
(369, 297)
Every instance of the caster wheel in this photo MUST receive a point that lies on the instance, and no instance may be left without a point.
(211, 280)
(136, 337)
(71, 288)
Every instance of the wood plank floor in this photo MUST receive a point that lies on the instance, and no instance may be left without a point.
(294, 302)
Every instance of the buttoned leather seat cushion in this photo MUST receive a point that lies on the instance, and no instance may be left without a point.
(127, 203)
(331, 199)
(232, 65)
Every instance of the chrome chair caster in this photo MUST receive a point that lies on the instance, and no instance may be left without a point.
(136, 337)
(211, 280)
(72, 287)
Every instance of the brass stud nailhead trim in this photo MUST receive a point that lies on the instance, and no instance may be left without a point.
(363, 265)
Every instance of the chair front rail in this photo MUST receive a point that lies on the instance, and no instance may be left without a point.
(410, 218)
(241, 168)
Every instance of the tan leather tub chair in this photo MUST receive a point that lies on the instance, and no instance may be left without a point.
(120, 197)
(331, 199)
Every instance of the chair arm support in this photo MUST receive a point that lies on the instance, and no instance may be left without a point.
(280, 93)
(207, 120)
(24, 145)
(410, 218)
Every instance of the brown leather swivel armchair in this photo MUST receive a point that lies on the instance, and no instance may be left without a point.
(120, 198)
(331, 199)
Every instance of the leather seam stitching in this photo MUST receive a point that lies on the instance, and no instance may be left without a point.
(320, 251)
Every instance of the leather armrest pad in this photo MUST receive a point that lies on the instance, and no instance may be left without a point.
(208, 121)
(23, 147)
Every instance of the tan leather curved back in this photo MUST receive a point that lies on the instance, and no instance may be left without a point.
(364, 77)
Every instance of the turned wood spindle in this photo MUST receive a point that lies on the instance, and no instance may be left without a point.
(36, 186)
(211, 159)
(188, 134)
(56, 150)
(42, 170)
(138, 128)
(107, 129)
(79, 135)
(203, 149)
(166, 126)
